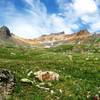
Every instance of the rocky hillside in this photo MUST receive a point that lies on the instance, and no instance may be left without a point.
(47, 40)
(7, 37)
(80, 36)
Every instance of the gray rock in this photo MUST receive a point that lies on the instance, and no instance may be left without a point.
(7, 82)
(4, 32)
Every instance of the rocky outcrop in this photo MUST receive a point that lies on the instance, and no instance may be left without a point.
(61, 37)
(6, 37)
(7, 82)
(82, 32)
(4, 33)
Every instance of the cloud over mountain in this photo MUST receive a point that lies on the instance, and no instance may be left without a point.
(31, 18)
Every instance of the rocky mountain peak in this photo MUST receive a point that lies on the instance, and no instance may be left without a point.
(82, 32)
(4, 32)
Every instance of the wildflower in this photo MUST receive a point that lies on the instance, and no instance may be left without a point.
(70, 57)
(87, 59)
(96, 59)
(88, 94)
(99, 92)
(12, 53)
(60, 90)
(52, 92)
(70, 95)
(29, 73)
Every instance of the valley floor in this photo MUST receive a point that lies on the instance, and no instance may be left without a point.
(78, 67)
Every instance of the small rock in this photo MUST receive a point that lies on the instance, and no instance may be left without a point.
(25, 80)
(46, 75)
(41, 87)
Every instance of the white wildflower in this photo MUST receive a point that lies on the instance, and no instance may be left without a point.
(70, 95)
(99, 92)
(96, 59)
(70, 57)
(12, 53)
(87, 59)
(88, 96)
(29, 73)
(60, 90)
(52, 92)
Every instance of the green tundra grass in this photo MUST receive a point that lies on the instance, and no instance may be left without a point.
(77, 65)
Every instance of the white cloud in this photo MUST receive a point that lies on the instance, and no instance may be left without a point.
(84, 6)
(86, 11)
(90, 18)
(36, 20)
(59, 24)
(95, 26)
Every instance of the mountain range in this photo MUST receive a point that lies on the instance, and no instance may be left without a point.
(54, 38)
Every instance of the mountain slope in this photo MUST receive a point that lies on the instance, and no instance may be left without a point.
(7, 37)
(46, 40)
(80, 36)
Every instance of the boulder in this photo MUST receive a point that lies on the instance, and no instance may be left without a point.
(7, 82)
(46, 75)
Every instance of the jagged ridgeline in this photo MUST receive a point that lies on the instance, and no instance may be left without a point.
(53, 39)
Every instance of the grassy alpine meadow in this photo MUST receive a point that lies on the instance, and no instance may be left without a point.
(77, 65)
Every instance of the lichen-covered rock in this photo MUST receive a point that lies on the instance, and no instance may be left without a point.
(7, 82)
(46, 75)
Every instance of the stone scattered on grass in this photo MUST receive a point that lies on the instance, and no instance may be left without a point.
(7, 82)
(41, 87)
(46, 75)
(25, 80)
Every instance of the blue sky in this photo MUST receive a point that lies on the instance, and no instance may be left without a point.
(33, 18)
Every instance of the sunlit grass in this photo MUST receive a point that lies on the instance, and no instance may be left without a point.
(78, 67)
